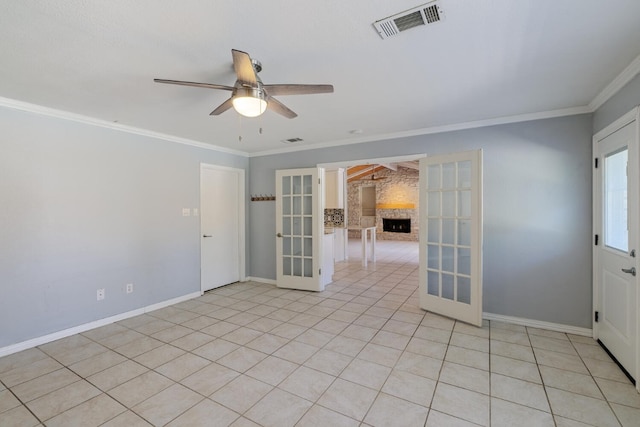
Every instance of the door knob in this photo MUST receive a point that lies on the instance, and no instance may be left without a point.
(279, 235)
(631, 271)
(206, 235)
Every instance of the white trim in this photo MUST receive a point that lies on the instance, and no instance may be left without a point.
(65, 115)
(558, 327)
(24, 345)
(435, 129)
(616, 84)
(261, 280)
(376, 161)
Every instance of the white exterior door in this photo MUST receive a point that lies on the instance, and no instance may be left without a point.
(451, 235)
(221, 226)
(299, 229)
(616, 251)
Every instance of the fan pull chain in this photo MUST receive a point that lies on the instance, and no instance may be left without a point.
(239, 128)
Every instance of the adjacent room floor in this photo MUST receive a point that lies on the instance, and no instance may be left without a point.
(359, 353)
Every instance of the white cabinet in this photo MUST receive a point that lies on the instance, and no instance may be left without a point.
(334, 188)
(339, 244)
(327, 259)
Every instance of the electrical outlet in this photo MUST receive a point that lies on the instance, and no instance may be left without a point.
(100, 294)
(186, 212)
(129, 288)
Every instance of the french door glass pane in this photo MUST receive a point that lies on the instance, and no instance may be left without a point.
(449, 231)
(615, 194)
(297, 226)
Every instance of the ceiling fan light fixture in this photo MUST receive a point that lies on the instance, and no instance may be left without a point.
(249, 102)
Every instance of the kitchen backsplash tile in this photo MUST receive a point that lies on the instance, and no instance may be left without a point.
(334, 217)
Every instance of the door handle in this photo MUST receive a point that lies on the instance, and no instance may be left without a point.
(206, 235)
(279, 235)
(631, 271)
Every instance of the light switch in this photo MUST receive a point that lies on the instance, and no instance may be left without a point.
(195, 211)
(186, 212)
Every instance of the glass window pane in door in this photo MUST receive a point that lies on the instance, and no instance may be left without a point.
(297, 205)
(286, 266)
(308, 223)
(464, 289)
(308, 247)
(449, 203)
(286, 205)
(286, 246)
(433, 230)
(308, 267)
(448, 231)
(447, 286)
(449, 175)
(433, 177)
(616, 235)
(464, 203)
(447, 258)
(297, 267)
(286, 185)
(297, 246)
(433, 281)
(307, 184)
(464, 174)
(297, 226)
(308, 205)
(464, 261)
(433, 201)
(433, 257)
(464, 232)
(286, 226)
(297, 185)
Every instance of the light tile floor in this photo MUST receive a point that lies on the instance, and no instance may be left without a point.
(360, 353)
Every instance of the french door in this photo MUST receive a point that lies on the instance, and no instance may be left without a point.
(616, 225)
(299, 229)
(451, 235)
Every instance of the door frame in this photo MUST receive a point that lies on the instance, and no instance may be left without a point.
(240, 173)
(630, 117)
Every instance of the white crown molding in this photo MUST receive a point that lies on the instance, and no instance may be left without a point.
(431, 130)
(616, 84)
(558, 327)
(24, 345)
(65, 115)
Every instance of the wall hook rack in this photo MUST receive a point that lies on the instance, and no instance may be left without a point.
(263, 198)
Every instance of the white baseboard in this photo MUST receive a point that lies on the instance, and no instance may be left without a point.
(262, 280)
(24, 345)
(558, 327)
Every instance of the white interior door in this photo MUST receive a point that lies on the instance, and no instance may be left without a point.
(299, 230)
(221, 226)
(615, 255)
(451, 235)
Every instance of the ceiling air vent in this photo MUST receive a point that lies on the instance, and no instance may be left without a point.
(428, 13)
(291, 140)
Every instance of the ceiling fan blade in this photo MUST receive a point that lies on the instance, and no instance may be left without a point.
(278, 107)
(182, 83)
(244, 69)
(222, 107)
(285, 89)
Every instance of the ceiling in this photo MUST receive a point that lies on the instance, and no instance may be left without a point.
(488, 59)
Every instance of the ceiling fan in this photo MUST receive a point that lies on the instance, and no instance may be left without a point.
(249, 96)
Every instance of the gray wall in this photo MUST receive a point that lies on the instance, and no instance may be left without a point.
(84, 207)
(618, 105)
(537, 211)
